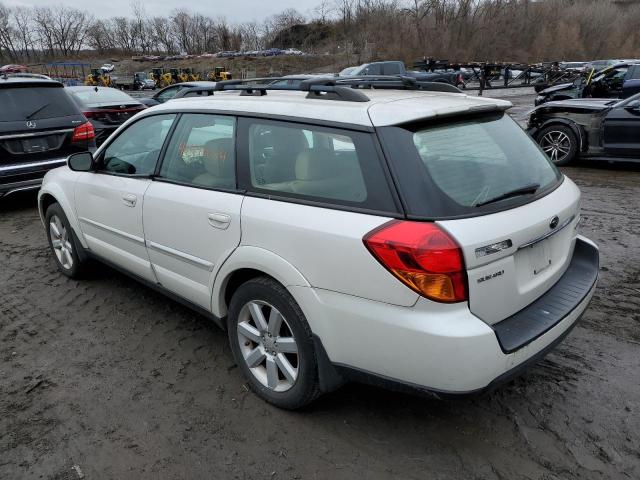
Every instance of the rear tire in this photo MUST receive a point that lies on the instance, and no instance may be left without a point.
(63, 243)
(559, 143)
(272, 344)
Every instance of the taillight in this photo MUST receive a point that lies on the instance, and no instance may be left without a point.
(423, 256)
(83, 132)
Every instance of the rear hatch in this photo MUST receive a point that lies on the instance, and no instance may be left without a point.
(37, 123)
(485, 182)
(106, 108)
(112, 115)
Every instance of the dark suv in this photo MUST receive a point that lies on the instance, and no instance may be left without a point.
(40, 126)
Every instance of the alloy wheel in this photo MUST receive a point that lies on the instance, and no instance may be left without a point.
(268, 346)
(61, 242)
(556, 145)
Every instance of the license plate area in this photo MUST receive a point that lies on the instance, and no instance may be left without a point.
(35, 145)
(539, 256)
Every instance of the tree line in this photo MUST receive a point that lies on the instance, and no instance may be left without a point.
(460, 30)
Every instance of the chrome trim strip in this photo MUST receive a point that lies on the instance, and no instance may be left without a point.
(21, 166)
(115, 231)
(548, 234)
(198, 262)
(20, 189)
(35, 134)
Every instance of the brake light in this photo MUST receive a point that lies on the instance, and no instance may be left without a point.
(83, 132)
(422, 256)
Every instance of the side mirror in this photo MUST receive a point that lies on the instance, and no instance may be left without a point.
(80, 162)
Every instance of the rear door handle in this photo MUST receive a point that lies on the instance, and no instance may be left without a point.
(219, 220)
(129, 199)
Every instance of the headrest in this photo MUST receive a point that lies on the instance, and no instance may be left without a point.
(218, 155)
(316, 165)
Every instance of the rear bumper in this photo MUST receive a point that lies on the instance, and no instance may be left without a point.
(442, 349)
(557, 303)
(26, 176)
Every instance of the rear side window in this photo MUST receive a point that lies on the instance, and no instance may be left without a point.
(316, 163)
(35, 103)
(392, 68)
(202, 152)
(460, 167)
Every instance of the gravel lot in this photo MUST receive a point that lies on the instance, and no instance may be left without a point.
(120, 382)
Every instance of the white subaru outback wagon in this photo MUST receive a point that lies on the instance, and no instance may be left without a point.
(414, 239)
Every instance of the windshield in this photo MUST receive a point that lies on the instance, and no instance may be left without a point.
(462, 166)
(347, 71)
(35, 103)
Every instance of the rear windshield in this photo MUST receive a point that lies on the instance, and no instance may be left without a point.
(35, 103)
(89, 97)
(464, 167)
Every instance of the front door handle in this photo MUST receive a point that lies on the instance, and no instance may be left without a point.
(129, 199)
(219, 220)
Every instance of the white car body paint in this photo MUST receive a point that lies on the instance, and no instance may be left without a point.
(191, 240)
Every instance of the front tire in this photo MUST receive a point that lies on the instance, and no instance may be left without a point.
(559, 143)
(63, 243)
(272, 344)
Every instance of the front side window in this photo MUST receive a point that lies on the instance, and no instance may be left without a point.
(464, 166)
(316, 163)
(137, 149)
(202, 152)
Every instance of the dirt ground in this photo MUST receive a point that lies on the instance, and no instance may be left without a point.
(106, 379)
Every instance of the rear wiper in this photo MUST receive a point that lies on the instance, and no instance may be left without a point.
(527, 189)
(38, 110)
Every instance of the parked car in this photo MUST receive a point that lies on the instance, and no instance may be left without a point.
(40, 126)
(167, 93)
(338, 234)
(573, 66)
(598, 65)
(107, 67)
(618, 81)
(12, 68)
(597, 129)
(398, 68)
(137, 81)
(105, 107)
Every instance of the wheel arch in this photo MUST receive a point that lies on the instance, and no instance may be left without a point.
(53, 193)
(577, 129)
(248, 262)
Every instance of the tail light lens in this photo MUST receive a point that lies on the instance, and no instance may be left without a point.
(83, 132)
(422, 256)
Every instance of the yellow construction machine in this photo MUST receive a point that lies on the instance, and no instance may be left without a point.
(97, 78)
(191, 75)
(219, 74)
(162, 78)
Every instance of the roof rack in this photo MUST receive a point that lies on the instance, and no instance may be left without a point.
(329, 88)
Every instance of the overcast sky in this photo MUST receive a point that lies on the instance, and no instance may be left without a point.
(234, 10)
